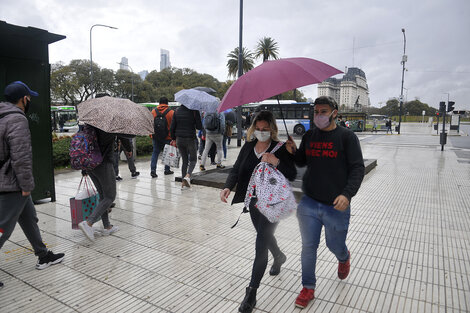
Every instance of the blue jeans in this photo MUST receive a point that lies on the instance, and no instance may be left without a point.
(158, 146)
(312, 216)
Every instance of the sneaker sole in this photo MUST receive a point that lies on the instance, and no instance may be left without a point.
(46, 265)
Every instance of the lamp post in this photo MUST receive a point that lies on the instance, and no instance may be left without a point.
(132, 80)
(240, 73)
(403, 61)
(91, 55)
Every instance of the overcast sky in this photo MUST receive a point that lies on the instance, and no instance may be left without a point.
(200, 33)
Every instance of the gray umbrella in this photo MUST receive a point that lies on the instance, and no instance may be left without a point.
(197, 100)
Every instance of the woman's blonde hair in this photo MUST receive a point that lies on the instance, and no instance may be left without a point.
(266, 116)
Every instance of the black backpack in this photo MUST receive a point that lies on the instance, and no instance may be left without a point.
(160, 125)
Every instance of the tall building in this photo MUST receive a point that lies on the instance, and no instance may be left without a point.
(164, 59)
(124, 64)
(350, 92)
(143, 74)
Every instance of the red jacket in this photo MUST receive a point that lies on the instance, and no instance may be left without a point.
(169, 116)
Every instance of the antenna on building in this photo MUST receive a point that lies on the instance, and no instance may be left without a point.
(354, 39)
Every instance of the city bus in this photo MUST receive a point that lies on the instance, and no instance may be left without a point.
(152, 105)
(296, 114)
(65, 116)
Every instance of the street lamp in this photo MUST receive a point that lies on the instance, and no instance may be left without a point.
(240, 73)
(403, 61)
(91, 56)
(132, 92)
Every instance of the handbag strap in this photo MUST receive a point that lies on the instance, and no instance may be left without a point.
(279, 145)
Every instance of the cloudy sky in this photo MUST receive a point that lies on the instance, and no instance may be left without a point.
(200, 33)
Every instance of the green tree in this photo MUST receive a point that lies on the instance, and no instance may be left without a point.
(232, 63)
(391, 108)
(267, 48)
(63, 85)
(417, 107)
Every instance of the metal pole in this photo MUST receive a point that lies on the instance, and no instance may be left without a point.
(403, 61)
(91, 56)
(240, 73)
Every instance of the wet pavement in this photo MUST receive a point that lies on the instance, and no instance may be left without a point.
(175, 251)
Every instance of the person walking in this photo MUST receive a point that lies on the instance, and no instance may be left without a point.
(124, 144)
(253, 152)
(163, 116)
(335, 170)
(388, 124)
(214, 125)
(374, 125)
(16, 174)
(104, 178)
(183, 130)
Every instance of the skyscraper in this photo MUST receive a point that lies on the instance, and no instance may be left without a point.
(164, 59)
(124, 65)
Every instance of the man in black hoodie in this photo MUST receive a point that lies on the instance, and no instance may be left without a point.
(335, 169)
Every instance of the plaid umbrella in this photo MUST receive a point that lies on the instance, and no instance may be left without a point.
(116, 115)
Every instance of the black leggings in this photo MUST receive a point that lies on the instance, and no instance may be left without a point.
(265, 241)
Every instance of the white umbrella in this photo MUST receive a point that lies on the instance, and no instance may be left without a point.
(116, 115)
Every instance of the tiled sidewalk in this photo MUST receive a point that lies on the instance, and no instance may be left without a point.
(175, 250)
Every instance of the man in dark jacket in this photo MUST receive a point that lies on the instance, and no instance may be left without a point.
(183, 130)
(335, 169)
(16, 173)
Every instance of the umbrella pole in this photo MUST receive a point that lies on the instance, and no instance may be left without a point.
(282, 115)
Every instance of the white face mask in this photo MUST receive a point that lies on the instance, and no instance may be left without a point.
(262, 135)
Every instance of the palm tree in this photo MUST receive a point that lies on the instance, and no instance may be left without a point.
(232, 63)
(268, 48)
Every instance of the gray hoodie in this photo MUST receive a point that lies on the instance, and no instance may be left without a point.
(16, 157)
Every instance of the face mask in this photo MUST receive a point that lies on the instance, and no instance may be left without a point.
(322, 121)
(262, 135)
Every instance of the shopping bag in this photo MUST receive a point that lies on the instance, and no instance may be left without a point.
(171, 156)
(85, 201)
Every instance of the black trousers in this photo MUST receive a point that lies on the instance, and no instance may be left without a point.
(265, 241)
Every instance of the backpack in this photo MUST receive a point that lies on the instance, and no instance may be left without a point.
(160, 125)
(85, 153)
(211, 122)
(275, 199)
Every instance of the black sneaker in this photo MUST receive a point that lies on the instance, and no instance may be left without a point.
(118, 178)
(168, 172)
(135, 174)
(49, 259)
(154, 175)
(220, 166)
(1, 284)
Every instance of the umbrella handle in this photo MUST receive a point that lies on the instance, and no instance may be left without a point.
(282, 115)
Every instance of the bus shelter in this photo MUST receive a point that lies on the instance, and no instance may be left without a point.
(24, 56)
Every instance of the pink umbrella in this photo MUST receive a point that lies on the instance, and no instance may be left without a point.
(275, 77)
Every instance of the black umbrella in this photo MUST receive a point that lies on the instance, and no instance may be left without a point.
(206, 89)
(230, 117)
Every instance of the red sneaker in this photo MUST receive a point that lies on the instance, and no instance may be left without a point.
(304, 297)
(343, 268)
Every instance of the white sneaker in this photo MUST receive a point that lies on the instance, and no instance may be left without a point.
(107, 232)
(87, 230)
(187, 182)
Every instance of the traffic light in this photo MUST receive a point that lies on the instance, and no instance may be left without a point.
(437, 113)
(450, 106)
(442, 106)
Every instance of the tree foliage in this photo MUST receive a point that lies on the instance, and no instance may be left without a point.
(232, 63)
(267, 48)
(71, 84)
